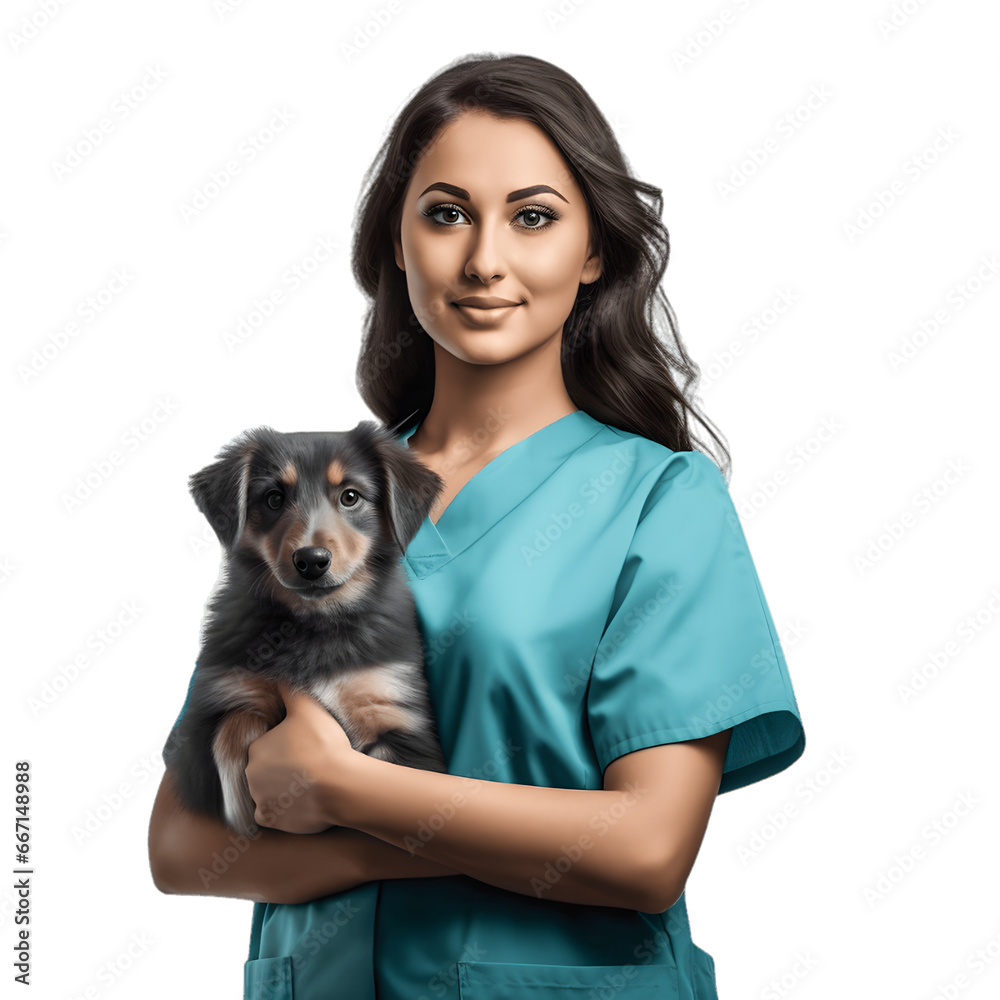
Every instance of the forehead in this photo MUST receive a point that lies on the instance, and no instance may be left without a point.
(491, 156)
(316, 458)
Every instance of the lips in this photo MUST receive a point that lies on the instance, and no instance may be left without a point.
(484, 317)
(484, 302)
(484, 309)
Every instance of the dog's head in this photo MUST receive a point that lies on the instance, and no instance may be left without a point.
(319, 508)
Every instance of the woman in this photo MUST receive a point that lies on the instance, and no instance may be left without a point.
(601, 659)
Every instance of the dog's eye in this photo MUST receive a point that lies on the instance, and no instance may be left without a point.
(274, 499)
(350, 497)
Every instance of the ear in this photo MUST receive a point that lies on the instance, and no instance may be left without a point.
(591, 270)
(410, 487)
(220, 489)
(397, 247)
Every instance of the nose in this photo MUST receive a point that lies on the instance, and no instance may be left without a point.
(484, 260)
(311, 562)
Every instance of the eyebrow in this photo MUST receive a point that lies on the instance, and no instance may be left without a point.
(513, 196)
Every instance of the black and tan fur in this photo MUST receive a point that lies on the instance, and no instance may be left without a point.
(312, 526)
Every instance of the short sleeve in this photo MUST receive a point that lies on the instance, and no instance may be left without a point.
(689, 648)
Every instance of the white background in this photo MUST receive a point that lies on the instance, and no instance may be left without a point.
(801, 915)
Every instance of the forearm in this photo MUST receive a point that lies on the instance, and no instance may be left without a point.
(577, 846)
(379, 860)
(295, 868)
(382, 860)
(275, 867)
(197, 855)
(191, 854)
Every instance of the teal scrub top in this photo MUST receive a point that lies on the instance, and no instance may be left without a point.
(588, 593)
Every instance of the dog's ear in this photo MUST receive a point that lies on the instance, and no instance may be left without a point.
(220, 489)
(410, 487)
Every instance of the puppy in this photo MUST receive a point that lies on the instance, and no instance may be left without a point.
(312, 592)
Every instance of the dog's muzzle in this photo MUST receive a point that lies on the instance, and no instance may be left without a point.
(312, 563)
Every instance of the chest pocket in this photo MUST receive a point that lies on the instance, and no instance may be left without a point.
(509, 981)
(268, 978)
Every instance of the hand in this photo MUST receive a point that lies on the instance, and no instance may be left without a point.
(289, 768)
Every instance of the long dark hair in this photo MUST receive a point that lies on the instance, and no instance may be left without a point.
(622, 358)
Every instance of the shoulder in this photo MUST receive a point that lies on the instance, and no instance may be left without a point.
(653, 472)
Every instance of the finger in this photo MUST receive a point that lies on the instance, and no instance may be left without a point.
(297, 700)
(288, 695)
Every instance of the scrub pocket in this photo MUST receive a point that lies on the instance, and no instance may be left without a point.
(704, 975)
(268, 979)
(507, 981)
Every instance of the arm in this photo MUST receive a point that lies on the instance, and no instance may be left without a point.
(188, 856)
(631, 844)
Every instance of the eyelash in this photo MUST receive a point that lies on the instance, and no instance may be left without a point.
(543, 210)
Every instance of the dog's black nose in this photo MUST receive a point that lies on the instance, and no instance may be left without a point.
(311, 563)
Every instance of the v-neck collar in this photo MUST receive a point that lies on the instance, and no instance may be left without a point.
(488, 496)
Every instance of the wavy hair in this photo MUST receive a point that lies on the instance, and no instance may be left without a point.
(622, 358)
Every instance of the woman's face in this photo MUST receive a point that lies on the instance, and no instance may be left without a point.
(494, 239)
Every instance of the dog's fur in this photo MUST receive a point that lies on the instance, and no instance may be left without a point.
(312, 526)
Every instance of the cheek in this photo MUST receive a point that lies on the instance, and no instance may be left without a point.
(427, 263)
(553, 276)
(431, 269)
(552, 288)
(553, 269)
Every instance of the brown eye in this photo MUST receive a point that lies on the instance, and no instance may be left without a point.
(453, 211)
(274, 499)
(350, 497)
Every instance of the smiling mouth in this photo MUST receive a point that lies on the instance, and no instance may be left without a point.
(469, 305)
(484, 314)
